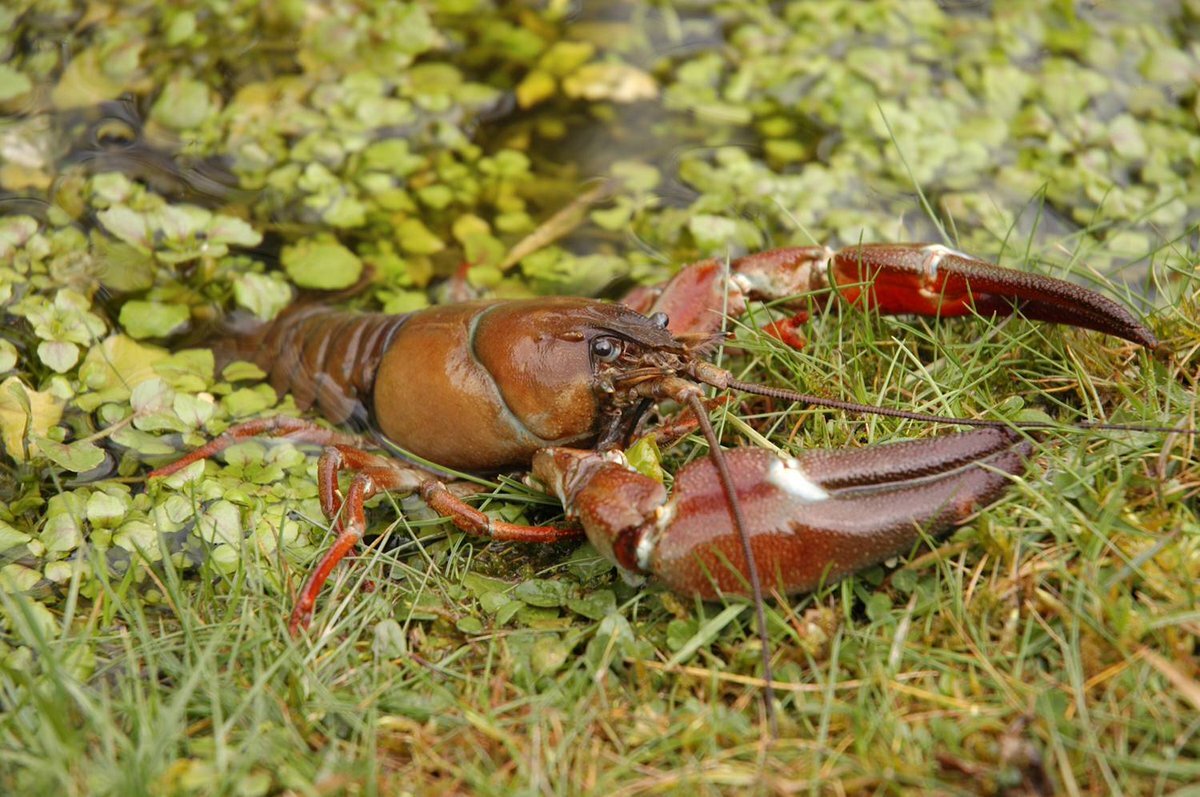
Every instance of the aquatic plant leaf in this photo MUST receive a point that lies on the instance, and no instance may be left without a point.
(58, 355)
(415, 238)
(13, 83)
(8, 356)
(113, 367)
(84, 82)
(128, 225)
(22, 408)
(184, 103)
(11, 537)
(610, 81)
(645, 457)
(321, 263)
(77, 457)
(143, 319)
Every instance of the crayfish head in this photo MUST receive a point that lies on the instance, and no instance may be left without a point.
(552, 365)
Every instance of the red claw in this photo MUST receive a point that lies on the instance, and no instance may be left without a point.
(896, 279)
(933, 280)
(811, 519)
(785, 332)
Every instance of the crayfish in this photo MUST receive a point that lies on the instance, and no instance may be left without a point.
(561, 384)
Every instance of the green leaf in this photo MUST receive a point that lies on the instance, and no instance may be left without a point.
(124, 267)
(636, 176)
(321, 263)
(220, 522)
(492, 602)
(181, 28)
(879, 606)
(128, 225)
(542, 592)
(152, 319)
(104, 509)
(249, 400)
(537, 86)
(195, 411)
(10, 537)
(184, 103)
(20, 578)
(180, 224)
(548, 656)
(680, 632)
(1033, 415)
(151, 396)
(480, 585)
(262, 294)
(12, 83)
(234, 231)
(436, 196)
(58, 355)
(112, 188)
(610, 81)
(564, 57)
(644, 457)
(63, 530)
(242, 371)
(713, 232)
(392, 156)
(389, 642)
(415, 238)
(594, 606)
(508, 611)
(138, 536)
(142, 442)
(86, 83)
(469, 625)
(114, 367)
(78, 457)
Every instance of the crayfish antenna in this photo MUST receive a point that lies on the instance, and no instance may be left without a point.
(708, 374)
(739, 521)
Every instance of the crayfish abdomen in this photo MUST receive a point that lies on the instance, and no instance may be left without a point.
(322, 357)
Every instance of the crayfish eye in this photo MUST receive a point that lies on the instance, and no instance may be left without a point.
(606, 350)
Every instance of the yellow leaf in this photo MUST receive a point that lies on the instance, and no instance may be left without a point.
(536, 87)
(83, 83)
(22, 409)
(114, 367)
(610, 81)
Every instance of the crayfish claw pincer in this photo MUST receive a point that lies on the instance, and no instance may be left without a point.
(813, 518)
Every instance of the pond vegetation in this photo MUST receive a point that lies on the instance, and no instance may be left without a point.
(167, 166)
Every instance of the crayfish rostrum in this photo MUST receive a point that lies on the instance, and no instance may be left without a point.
(560, 385)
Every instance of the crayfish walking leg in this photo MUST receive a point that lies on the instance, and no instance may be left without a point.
(372, 474)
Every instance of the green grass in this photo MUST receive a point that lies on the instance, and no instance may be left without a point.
(1053, 637)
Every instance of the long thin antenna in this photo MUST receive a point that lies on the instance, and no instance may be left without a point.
(735, 510)
(850, 406)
